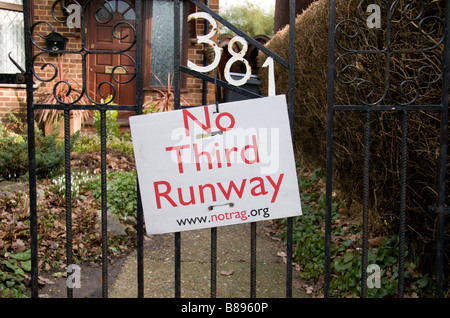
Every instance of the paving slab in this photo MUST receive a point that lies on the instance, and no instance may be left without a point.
(233, 266)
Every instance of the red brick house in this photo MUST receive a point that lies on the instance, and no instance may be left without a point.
(102, 33)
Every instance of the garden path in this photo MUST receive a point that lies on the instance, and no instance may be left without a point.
(233, 265)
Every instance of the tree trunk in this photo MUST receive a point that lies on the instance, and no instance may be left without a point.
(282, 12)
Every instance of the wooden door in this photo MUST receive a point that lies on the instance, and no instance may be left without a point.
(109, 29)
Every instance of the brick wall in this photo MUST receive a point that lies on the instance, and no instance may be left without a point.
(13, 99)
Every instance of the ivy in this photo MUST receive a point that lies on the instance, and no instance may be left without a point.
(12, 273)
(346, 252)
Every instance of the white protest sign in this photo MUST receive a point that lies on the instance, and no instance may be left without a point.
(201, 169)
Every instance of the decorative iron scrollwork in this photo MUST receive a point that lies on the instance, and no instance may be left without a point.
(46, 70)
(407, 46)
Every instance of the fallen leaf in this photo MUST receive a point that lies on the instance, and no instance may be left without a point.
(18, 246)
(227, 273)
(45, 281)
(59, 274)
(283, 255)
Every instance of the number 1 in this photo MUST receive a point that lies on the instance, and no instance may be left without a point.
(269, 63)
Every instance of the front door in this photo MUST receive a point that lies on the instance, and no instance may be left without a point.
(110, 28)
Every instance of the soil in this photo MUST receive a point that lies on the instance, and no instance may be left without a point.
(90, 161)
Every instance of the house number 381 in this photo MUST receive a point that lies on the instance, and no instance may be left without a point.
(235, 56)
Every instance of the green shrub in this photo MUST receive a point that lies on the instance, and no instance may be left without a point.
(112, 127)
(49, 155)
(122, 144)
(14, 154)
(121, 192)
(83, 142)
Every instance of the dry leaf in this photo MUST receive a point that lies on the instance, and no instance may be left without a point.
(227, 273)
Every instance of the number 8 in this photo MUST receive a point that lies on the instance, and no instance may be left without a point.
(237, 57)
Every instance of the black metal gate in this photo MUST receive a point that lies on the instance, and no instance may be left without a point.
(370, 99)
(34, 49)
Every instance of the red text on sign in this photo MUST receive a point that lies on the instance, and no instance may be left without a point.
(210, 192)
(207, 126)
(248, 154)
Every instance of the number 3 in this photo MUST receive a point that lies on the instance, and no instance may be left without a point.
(206, 39)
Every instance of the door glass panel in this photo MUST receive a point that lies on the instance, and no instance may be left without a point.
(115, 7)
(162, 41)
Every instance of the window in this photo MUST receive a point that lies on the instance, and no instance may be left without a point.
(11, 39)
(119, 7)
